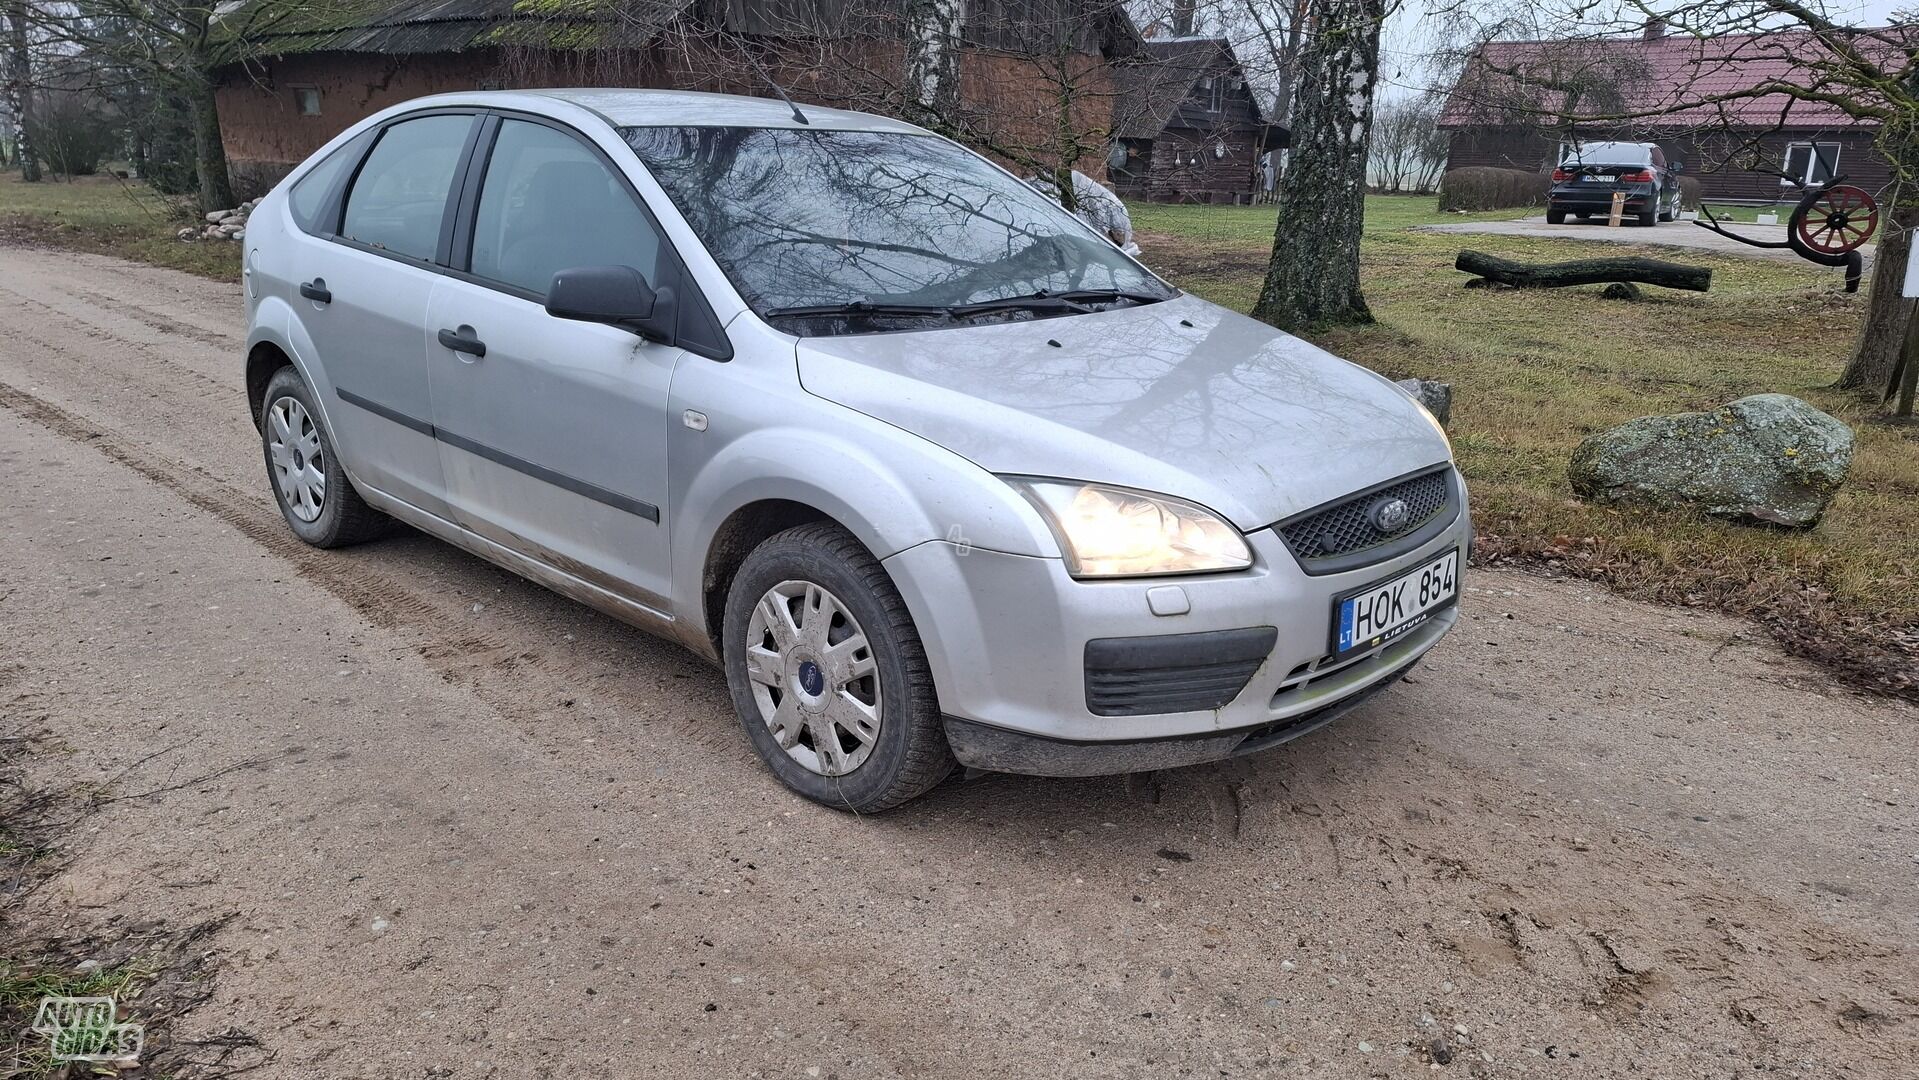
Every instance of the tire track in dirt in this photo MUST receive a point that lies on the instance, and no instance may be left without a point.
(493, 664)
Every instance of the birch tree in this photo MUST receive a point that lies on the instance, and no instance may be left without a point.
(1312, 278)
(19, 70)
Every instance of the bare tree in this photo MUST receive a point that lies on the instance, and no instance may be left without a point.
(1408, 148)
(1313, 276)
(20, 86)
(179, 45)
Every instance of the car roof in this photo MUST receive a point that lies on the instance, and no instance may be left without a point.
(685, 108)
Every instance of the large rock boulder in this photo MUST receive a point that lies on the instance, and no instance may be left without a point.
(1768, 458)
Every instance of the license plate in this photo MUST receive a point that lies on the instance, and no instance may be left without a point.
(1377, 614)
(1591, 179)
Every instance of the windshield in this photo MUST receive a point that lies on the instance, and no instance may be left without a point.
(872, 228)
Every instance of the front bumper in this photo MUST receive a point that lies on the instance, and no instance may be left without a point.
(1006, 637)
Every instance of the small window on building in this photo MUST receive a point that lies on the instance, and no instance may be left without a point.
(306, 99)
(1810, 163)
(1215, 94)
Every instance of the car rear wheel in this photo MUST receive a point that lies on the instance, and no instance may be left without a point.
(1555, 216)
(1649, 218)
(828, 674)
(315, 496)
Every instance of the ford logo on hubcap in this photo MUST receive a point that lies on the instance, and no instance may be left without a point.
(812, 680)
(1389, 515)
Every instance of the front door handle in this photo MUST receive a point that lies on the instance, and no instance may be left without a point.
(316, 291)
(463, 341)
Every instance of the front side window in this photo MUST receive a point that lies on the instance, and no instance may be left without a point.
(871, 225)
(400, 196)
(548, 203)
(1810, 163)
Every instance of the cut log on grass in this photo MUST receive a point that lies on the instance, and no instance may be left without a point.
(1584, 272)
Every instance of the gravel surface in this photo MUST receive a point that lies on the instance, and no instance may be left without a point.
(470, 829)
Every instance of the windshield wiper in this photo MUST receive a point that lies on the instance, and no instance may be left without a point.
(1071, 300)
(861, 308)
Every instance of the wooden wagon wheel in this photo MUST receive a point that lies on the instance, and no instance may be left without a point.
(1840, 219)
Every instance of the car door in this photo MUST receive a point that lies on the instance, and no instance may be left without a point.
(364, 285)
(552, 432)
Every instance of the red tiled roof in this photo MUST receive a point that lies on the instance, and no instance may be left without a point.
(1684, 79)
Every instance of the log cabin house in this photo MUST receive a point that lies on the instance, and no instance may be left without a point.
(312, 73)
(1188, 125)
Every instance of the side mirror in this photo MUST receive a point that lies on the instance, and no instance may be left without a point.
(616, 295)
(1676, 166)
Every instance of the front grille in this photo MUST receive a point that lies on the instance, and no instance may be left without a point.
(1347, 526)
(1172, 673)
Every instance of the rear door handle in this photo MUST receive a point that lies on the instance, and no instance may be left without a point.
(462, 340)
(316, 291)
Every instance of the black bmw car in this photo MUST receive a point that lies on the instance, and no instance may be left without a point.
(1584, 183)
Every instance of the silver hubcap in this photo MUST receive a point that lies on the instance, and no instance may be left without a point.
(294, 443)
(813, 676)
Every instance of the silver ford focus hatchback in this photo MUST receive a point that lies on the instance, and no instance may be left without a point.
(936, 472)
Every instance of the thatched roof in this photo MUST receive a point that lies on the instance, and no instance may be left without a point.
(430, 26)
(279, 28)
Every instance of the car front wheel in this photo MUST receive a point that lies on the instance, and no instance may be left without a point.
(828, 674)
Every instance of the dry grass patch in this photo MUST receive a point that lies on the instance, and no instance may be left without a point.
(109, 216)
(1535, 371)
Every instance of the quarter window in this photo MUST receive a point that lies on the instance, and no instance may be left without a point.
(549, 203)
(400, 196)
(308, 199)
(1810, 163)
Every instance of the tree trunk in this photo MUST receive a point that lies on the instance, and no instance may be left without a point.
(209, 153)
(1289, 62)
(932, 58)
(1875, 352)
(1313, 276)
(1585, 272)
(1183, 13)
(20, 89)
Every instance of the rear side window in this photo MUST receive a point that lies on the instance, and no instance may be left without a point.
(399, 198)
(308, 197)
(548, 203)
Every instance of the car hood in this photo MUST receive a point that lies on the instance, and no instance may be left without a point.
(1181, 397)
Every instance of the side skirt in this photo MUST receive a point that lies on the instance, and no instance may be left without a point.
(627, 610)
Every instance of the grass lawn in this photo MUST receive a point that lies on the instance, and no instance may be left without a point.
(1534, 372)
(113, 217)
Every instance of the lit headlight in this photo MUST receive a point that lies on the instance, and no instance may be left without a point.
(1115, 532)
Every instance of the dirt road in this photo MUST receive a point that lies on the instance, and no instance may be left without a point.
(469, 829)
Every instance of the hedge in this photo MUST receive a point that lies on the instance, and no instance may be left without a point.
(1479, 187)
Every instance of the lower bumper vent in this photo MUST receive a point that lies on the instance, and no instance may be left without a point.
(1138, 676)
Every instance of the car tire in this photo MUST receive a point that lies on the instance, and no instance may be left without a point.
(326, 514)
(1649, 218)
(793, 687)
(1671, 211)
(1555, 216)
